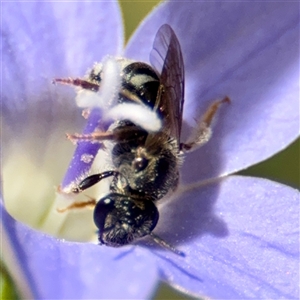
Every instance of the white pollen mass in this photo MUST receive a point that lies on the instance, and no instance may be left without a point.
(138, 114)
(109, 87)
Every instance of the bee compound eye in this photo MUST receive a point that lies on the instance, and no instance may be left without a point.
(121, 220)
(103, 208)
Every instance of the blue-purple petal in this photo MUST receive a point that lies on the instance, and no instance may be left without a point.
(79, 166)
(47, 268)
(46, 40)
(43, 41)
(248, 51)
(241, 238)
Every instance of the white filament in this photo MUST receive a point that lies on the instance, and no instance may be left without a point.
(138, 114)
(88, 99)
(109, 87)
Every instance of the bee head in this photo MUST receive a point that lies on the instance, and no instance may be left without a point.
(121, 219)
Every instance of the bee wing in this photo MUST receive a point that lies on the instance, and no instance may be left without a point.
(166, 58)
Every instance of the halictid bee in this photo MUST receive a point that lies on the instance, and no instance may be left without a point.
(145, 163)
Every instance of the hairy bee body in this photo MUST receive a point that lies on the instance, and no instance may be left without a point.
(144, 158)
(146, 163)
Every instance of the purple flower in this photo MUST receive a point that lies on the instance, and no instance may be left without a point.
(240, 234)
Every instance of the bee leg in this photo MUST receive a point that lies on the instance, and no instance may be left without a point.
(92, 180)
(118, 134)
(85, 84)
(166, 245)
(97, 136)
(91, 203)
(202, 133)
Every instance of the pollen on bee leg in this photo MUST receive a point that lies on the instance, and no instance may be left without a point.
(140, 115)
(202, 133)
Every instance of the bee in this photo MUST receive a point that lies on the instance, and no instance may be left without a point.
(145, 164)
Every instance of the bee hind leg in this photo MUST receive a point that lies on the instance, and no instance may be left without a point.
(202, 133)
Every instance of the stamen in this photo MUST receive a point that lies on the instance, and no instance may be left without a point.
(111, 82)
(140, 115)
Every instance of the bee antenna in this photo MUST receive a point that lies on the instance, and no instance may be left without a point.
(166, 245)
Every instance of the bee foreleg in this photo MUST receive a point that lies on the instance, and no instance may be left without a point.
(91, 203)
(202, 133)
